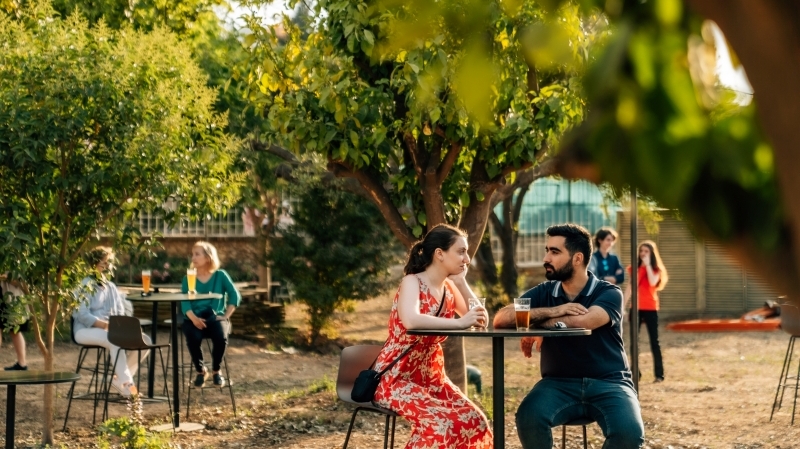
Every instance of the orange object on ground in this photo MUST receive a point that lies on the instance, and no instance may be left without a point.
(725, 325)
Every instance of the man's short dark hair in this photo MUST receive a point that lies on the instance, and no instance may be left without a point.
(576, 239)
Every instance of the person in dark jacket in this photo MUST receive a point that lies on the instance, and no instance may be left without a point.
(604, 265)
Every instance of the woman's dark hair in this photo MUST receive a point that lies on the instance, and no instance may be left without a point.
(576, 239)
(421, 254)
(601, 235)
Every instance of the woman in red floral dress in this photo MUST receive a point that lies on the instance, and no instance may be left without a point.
(416, 387)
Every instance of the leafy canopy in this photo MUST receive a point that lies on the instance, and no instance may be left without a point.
(404, 117)
(95, 126)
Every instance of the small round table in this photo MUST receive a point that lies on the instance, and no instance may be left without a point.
(173, 299)
(14, 378)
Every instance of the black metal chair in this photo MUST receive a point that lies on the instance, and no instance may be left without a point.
(790, 323)
(583, 422)
(101, 357)
(355, 359)
(228, 384)
(125, 332)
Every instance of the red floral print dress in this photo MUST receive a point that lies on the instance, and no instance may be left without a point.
(417, 389)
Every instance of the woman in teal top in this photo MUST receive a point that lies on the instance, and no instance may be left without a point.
(208, 318)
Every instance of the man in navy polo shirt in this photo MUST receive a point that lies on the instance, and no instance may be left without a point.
(582, 377)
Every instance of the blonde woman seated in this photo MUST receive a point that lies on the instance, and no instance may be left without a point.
(416, 387)
(90, 327)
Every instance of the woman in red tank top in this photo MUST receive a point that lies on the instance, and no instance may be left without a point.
(651, 279)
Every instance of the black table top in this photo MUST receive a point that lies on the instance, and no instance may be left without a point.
(491, 332)
(36, 377)
(173, 297)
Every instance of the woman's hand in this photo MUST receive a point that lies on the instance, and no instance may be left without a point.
(646, 260)
(477, 317)
(222, 318)
(198, 322)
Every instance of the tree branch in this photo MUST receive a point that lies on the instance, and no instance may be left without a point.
(524, 178)
(380, 197)
(449, 160)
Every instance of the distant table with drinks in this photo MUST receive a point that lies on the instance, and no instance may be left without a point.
(173, 299)
(498, 337)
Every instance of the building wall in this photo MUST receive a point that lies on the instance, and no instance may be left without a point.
(703, 280)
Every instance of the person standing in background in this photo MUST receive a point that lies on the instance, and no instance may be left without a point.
(604, 265)
(10, 290)
(652, 278)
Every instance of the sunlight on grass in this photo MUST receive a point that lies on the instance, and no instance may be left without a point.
(325, 384)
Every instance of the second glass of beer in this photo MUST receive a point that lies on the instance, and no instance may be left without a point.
(522, 309)
(474, 303)
(146, 281)
(191, 280)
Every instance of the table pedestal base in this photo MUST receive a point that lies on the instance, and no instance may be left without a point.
(184, 427)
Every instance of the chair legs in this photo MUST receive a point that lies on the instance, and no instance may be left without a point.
(386, 441)
(229, 386)
(564, 437)
(114, 369)
(785, 379)
(96, 380)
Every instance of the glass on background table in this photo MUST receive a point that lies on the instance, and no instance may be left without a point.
(498, 337)
(173, 299)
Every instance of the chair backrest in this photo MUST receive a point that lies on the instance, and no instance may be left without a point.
(354, 359)
(72, 329)
(125, 332)
(790, 318)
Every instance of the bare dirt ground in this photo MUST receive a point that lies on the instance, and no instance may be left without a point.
(718, 394)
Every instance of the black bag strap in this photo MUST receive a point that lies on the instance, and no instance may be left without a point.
(441, 304)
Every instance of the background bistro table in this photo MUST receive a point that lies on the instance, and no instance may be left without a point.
(498, 337)
(173, 299)
(14, 378)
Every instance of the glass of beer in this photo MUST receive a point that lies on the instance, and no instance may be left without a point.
(473, 303)
(146, 281)
(522, 309)
(191, 280)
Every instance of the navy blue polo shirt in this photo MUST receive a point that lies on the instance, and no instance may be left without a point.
(600, 355)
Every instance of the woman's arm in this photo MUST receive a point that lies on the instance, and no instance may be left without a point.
(619, 273)
(408, 310)
(461, 290)
(652, 276)
(82, 314)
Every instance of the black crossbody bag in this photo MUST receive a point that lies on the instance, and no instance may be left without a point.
(367, 381)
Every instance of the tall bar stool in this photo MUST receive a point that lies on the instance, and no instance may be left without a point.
(183, 363)
(790, 323)
(99, 382)
(228, 384)
(583, 422)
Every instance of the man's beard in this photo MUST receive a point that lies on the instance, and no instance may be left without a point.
(562, 274)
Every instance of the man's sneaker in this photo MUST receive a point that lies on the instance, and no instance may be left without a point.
(200, 380)
(659, 379)
(16, 367)
(219, 381)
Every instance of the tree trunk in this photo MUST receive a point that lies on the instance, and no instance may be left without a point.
(487, 268)
(48, 409)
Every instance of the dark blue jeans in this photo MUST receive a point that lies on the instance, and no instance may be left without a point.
(217, 331)
(554, 402)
